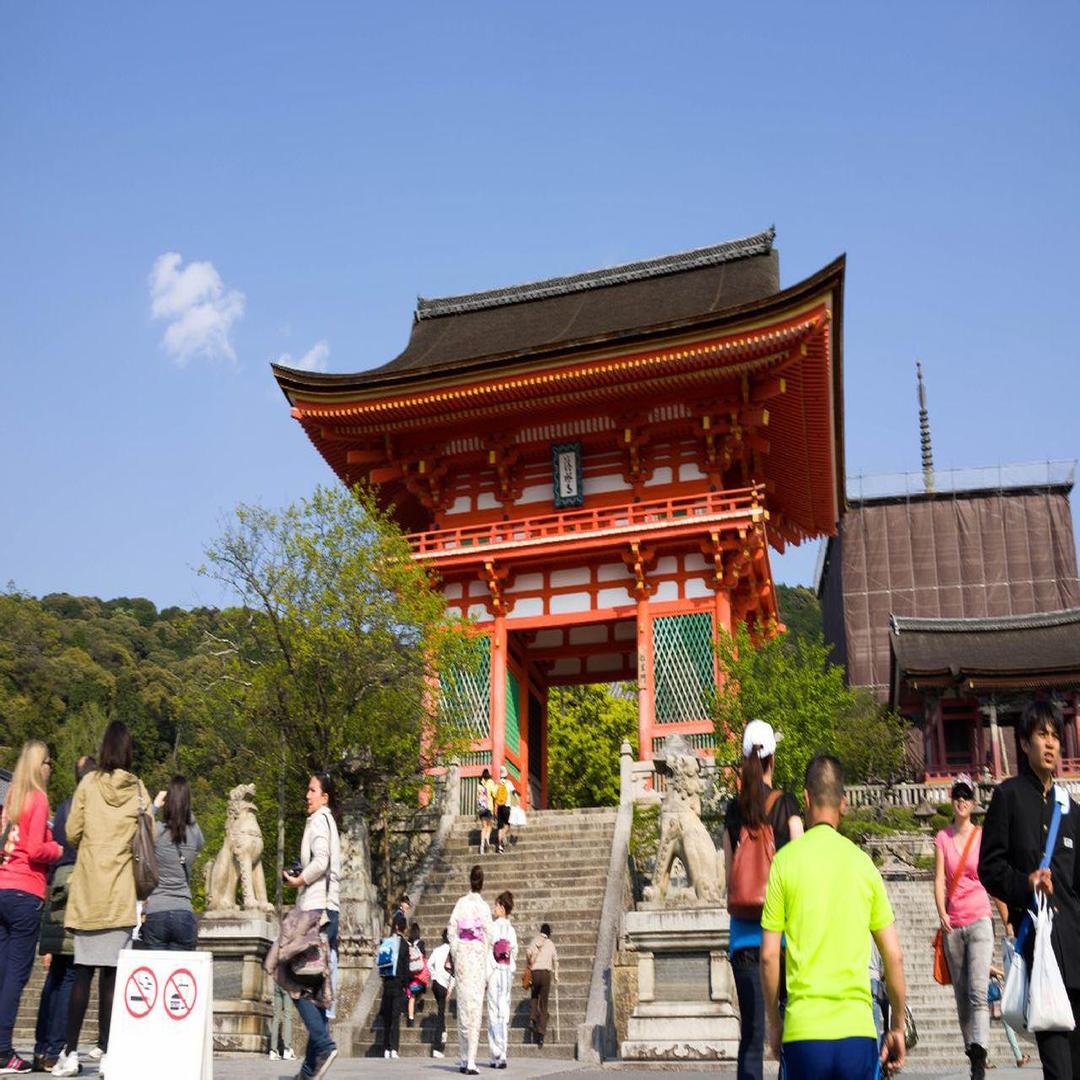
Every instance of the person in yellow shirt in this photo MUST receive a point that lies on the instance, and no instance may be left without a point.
(826, 898)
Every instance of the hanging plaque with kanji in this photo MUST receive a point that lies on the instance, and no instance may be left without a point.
(566, 475)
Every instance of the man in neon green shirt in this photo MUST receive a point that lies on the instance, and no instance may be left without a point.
(827, 897)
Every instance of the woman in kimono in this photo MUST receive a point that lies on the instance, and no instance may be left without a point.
(501, 961)
(471, 940)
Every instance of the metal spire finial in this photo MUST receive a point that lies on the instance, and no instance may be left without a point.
(924, 432)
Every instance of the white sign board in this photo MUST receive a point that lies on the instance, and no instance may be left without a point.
(162, 1016)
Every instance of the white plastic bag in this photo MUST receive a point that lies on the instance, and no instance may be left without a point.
(1014, 997)
(1048, 1001)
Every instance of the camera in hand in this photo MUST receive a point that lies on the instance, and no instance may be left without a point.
(295, 869)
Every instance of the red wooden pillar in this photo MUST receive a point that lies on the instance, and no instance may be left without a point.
(644, 679)
(722, 626)
(524, 705)
(995, 741)
(939, 724)
(498, 695)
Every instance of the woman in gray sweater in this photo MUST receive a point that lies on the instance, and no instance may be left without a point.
(170, 921)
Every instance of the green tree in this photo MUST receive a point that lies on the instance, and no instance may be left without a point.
(800, 610)
(790, 682)
(326, 662)
(586, 729)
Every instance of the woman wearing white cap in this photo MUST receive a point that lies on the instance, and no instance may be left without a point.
(966, 921)
(759, 822)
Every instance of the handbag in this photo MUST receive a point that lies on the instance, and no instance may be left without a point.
(941, 962)
(1015, 998)
(1048, 1000)
(143, 855)
(526, 978)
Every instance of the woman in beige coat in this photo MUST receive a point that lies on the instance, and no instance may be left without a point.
(101, 897)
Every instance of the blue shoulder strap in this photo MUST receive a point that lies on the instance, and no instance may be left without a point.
(1048, 853)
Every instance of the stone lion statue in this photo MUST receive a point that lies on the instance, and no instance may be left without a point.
(238, 861)
(682, 834)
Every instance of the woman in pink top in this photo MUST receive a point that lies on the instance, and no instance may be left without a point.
(964, 910)
(28, 849)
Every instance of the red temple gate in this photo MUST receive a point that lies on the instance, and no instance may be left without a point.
(596, 467)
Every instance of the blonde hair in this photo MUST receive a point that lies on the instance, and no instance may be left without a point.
(29, 776)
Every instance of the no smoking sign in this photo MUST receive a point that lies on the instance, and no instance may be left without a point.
(180, 994)
(140, 992)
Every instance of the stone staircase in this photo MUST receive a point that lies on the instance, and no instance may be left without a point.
(26, 1020)
(934, 1007)
(557, 871)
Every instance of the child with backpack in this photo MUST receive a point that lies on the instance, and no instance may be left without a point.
(501, 962)
(392, 961)
(419, 972)
(759, 822)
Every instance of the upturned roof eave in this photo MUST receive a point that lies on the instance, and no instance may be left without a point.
(296, 384)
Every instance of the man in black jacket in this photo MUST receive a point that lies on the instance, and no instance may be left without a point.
(1014, 837)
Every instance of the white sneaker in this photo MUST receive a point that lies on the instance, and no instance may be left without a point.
(101, 1065)
(96, 1053)
(394, 1054)
(67, 1064)
(275, 1056)
(386, 1054)
(288, 1055)
(437, 1053)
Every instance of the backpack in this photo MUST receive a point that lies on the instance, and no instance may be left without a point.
(386, 957)
(501, 950)
(416, 959)
(750, 867)
(482, 799)
(502, 794)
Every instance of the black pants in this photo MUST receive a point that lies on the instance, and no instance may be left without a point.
(746, 967)
(538, 1001)
(80, 998)
(441, 995)
(1059, 1051)
(393, 998)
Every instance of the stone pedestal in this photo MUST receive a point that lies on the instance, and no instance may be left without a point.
(243, 992)
(685, 1009)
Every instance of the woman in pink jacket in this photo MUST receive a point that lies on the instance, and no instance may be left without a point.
(28, 851)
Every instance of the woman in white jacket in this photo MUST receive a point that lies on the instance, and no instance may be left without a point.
(470, 934)
(319, 882)
(501, 962)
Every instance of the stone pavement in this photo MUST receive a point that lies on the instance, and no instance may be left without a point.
(431, 1069)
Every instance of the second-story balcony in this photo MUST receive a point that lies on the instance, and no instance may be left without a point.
(593, 528)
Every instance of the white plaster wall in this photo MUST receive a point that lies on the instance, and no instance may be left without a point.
(606, 662)
(479, 613)
(689, 471)
(694, 562)
(528, 607)
(486, 501)
(598, 485)
(666, 590)
(478, 588)
(615, 597)
(527, 583)
(578, 575)
(452, 591)
(568, 603)
(461, 505)
(548, 639)
(667, 565)
(537, 493)
(696, 587)
(625, 631)
(613, 572)
(568, 665)
(660, 476)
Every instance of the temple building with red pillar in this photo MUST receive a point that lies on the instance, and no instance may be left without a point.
(595, 467)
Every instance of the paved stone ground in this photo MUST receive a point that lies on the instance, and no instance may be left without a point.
(431, 1069)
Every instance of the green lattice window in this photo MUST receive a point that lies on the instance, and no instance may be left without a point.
(513, 713)
(682, 667)
(467, 691)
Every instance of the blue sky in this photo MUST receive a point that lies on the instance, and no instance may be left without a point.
(322, 164)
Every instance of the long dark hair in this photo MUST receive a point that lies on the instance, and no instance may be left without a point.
(752, 789)
(115, 748)
(326, 782)
(176, 813)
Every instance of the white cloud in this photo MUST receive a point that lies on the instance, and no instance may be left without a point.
(199, 309)
(313, 360)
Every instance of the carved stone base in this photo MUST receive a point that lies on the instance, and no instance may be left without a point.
(243, 992)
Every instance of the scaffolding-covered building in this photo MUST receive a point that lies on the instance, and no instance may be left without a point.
(955, 561)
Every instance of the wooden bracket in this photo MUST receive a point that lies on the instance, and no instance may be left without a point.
(640, 560)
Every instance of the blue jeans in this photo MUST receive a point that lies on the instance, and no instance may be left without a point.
(319, 1042)
(177, 930)
(832, 1059)
(20, 922)
(52, 1014)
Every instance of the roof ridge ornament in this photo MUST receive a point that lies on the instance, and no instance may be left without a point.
(694, 259)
